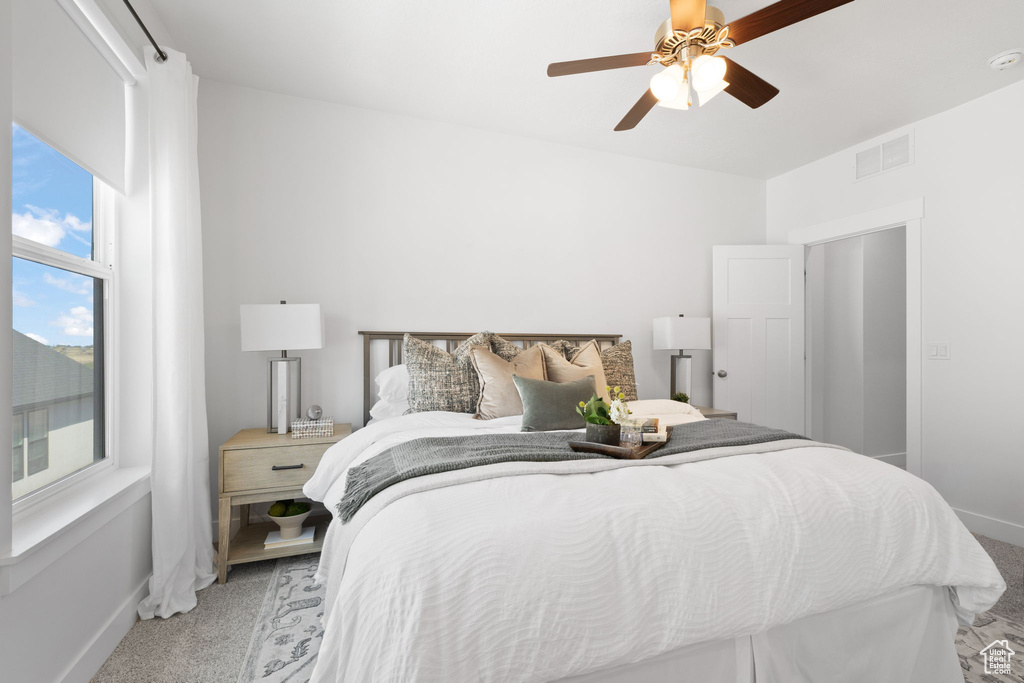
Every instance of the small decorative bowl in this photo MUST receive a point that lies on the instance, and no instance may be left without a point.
(291, 526)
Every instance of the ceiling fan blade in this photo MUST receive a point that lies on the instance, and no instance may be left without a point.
(779, 15)
(746, 86)
(687, 14)
(581, 66)
(639, 110)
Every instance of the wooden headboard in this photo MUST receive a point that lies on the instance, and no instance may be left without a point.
(449, 341)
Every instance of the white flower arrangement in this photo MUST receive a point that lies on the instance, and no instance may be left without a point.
(619, 412)
(596, 411)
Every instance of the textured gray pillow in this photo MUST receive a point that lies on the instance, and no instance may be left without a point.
(618, 368)
(548, 406)
(439, 380)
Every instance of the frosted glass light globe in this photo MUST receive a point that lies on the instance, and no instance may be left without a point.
(666, 85)
(708, 72)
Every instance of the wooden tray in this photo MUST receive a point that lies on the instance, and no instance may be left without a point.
(620, 452)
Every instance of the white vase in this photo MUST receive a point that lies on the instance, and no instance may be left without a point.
(291, 526)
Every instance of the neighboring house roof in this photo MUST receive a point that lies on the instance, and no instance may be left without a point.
(44, 375)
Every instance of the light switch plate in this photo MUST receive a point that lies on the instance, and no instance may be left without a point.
(938, 351)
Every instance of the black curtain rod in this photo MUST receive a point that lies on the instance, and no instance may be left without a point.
(161, 55)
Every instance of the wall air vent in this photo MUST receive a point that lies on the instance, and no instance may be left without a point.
(885, 157)
(869, 162)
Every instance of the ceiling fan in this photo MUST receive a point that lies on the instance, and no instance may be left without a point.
(687, 45)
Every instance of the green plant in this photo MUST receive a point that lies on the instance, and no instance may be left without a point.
(596, 411)
(681, 397)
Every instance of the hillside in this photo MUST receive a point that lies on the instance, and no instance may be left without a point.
(79, 354)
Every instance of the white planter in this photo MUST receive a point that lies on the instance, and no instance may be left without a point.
(291, 527)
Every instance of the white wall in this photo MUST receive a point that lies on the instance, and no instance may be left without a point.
(395, 223)
(64, 623)
(968, 169)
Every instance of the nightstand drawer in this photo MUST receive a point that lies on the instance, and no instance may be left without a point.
(252, 469)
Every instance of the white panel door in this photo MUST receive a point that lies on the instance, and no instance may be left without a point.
(758, 331)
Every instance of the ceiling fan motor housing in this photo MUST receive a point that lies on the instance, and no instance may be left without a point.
(671, 45)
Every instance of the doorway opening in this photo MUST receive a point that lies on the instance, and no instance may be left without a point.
(856, 343)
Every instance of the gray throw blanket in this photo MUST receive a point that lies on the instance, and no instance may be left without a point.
(433, 455)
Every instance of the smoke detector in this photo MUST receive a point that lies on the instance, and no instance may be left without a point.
(1004, 60)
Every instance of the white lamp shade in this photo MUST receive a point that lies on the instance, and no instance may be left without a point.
(704, 96)
(279, 327)
(678, 332)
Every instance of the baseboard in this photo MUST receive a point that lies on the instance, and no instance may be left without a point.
(896, 459)
(92, 657)
(1008, 532)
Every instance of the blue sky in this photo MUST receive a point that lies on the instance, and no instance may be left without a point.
(51, 204)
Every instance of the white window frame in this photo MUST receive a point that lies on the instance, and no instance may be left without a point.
(102, 266)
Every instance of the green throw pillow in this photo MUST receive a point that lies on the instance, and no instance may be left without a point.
(548, 406)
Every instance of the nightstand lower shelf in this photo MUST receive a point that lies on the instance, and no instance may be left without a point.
(247, 544)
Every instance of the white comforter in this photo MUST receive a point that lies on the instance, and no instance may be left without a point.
(537, 577)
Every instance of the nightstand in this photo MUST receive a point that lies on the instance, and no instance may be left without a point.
(715, 412)
(257, 467)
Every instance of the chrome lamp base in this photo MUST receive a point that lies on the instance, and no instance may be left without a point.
(283, 405)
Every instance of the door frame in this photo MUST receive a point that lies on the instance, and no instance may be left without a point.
(909, 215)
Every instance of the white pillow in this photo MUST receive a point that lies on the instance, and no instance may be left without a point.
(393, 384)
(384, 409)
(661, 406)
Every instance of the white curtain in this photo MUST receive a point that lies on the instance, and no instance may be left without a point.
(182, 534)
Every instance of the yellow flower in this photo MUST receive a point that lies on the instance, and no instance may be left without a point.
(617, 390)
(621, 397)
(582, 404)
(607, 388)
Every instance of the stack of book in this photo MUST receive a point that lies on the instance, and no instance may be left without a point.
(274, 539)
(651, 432)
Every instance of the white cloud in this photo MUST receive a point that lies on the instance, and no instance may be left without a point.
(76, 284)
(22, 300)
(46, 225)
(77, 323)
(74, 223)
(40, 230)
(38, 338)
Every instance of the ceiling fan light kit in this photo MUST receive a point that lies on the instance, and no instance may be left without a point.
(686, 45)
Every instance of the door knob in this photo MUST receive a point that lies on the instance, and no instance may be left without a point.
(723, 373)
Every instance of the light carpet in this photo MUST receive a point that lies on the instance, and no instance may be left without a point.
(264, 625)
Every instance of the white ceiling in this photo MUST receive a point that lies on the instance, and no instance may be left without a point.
(846, 76)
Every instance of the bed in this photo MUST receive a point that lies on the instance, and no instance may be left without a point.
(778, 562)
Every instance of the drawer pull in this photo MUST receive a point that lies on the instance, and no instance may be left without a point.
(287, 467)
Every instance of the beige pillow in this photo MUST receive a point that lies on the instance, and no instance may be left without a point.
(498, 394)
(587, 361)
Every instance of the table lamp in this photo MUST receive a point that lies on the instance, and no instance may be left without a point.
(681, 333)
(273, 327)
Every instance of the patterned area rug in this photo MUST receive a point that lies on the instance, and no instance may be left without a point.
(287, 636)
(989, 628)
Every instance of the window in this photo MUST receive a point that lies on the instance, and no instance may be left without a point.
(18, 449)
(59, 281)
